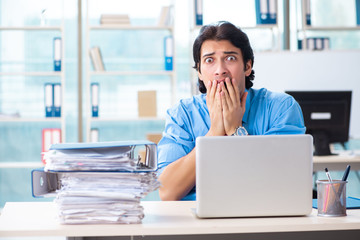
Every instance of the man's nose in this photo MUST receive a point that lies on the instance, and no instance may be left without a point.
(221, 69)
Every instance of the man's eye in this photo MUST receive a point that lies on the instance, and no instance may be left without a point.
(231, 58)
(209, 60)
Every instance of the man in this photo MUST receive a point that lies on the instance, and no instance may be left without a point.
(227, 106)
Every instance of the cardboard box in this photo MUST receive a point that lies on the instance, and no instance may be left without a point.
(147, 103)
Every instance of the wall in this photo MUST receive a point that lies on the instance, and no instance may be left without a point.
(305, 70)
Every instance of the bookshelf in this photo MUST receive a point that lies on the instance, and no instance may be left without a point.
(28, 79)
(306, 28)
(119, 72)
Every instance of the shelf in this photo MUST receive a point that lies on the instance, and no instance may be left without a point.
(50, 74)
(21, 165)
(260, 26)
(309, 28)
(138, 119)
(129, 27)
(32, 28)
(114, 73)
(22, 120)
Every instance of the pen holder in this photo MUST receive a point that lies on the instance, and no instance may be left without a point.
(331, 198)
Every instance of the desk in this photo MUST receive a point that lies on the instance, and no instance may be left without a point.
(336, 162)
(175, 219)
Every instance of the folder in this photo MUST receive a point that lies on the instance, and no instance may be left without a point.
(49, 96)
(95, 99)
(266, 11)
(169, 52)
(94, 135)
(57, 99)
(307, 12)
(198, 12)
(357, 6)
(57, 53)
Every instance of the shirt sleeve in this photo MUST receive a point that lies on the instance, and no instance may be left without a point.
(177, 139)
(287, 118)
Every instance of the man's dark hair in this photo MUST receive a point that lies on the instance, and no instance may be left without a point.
(224, 31)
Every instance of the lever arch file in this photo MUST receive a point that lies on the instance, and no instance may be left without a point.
(57, 54)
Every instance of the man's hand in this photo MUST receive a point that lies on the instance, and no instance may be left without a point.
(233, 108)
(213, 102)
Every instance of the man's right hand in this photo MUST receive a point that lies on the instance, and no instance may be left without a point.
(213, 102)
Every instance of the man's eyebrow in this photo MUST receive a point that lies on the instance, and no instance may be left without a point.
(208, 54)
(232, 52)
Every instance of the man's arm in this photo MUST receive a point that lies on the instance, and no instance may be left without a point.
(178, 178)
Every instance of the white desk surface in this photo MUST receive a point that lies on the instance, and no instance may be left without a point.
(336, 162)
(161, 218)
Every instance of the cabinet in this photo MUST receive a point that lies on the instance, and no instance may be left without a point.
(133, 55)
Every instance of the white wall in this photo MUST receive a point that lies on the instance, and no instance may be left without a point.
(305, 70)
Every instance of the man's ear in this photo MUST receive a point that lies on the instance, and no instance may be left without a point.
(248, 68)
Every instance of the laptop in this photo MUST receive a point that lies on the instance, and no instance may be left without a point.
(254, 176)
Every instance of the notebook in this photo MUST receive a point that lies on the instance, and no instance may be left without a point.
(253, 176)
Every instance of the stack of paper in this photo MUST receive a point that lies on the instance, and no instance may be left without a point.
(92, 159)
(103, 197)
(102, 182)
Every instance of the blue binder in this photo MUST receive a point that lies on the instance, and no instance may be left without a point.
(168, 52)
(57, 53)
(57, 100)
(307, 12)
(48, 99)
(357, 12)
(266, 11)
(198, 12)
(95, 99)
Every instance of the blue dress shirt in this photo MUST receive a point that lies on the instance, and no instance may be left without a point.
(266, 113)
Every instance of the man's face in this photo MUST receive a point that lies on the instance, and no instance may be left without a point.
(221, 59)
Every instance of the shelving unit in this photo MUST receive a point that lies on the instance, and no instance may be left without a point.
(90, 73)
(12, 120)
(303, 31)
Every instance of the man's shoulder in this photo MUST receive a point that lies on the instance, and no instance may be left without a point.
(187, 104)
(196, 100)
(270, 96)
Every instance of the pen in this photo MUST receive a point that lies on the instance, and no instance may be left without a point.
(328, 175)
(346, 173)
